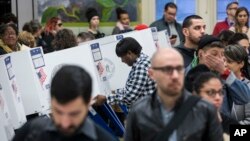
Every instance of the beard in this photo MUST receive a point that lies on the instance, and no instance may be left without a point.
(71, 130)
(171, 90)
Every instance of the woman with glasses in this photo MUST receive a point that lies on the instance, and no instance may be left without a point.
(236, 60)
(52, 26)
(8, 39)
(209, 86)
(241, 21)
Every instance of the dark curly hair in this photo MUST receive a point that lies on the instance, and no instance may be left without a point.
(64, 38)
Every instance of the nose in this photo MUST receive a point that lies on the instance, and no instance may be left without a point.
(203, 30)
(175, 74)
(65, 122)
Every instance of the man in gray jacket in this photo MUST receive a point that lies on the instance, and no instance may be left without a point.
(149, 116)
(169, 23)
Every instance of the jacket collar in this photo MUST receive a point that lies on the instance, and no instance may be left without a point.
(87, 128)
(156, 102)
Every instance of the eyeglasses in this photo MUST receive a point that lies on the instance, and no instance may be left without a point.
(59, 24)
(169, 69)
(233, 8)
(212, 93)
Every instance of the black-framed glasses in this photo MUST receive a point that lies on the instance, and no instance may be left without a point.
(212, 93)
(169, 69)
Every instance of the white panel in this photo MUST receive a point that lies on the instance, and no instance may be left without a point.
(32, 78)
(163, 39)
(81, 56)
(11, 92)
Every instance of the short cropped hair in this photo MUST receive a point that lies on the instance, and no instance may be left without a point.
(170, 4)
(71, 82)
(127, 44)
(188, 20)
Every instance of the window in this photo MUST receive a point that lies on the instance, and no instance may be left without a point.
(185, 8)
(222, 4)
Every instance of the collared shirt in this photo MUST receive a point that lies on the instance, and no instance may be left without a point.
(167, 115)
(138, 84)
(43, 129)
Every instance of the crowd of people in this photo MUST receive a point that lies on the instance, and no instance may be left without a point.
(193, 90)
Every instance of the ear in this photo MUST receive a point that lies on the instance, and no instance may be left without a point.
(242, 64)
(151, 73)
(185, 31)
(200, 53)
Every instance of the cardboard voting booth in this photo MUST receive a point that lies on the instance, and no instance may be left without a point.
(32, 78)
(6, 127)
(117, 71)
(81, 56)
(163, 39)
(10, 91)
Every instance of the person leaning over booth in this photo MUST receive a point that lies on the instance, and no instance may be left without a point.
(138, 83)
(71, 90)
(170, 114)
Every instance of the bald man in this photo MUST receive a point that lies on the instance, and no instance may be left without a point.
(151, 117)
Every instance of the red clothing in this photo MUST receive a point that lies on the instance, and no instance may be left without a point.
(220, 26)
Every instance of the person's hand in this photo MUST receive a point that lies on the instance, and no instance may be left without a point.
(99, 100)
(215, 63)
(172, 41)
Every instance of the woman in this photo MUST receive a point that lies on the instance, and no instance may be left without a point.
(8, 39)
(237, 61)
(94, 21)
(27, 39)
(240, 39)
(52, 26)
(241, 21)
(209, 86)
(122, 25)
(64, 38)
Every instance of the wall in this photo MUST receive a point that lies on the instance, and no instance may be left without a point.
(204, 8)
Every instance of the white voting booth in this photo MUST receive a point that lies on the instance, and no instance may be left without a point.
(117, 71)
(6, 127)
(31, 76)
(10, 91)
(163, 39)
(81, 56)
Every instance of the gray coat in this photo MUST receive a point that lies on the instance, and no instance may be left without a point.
(242, 112)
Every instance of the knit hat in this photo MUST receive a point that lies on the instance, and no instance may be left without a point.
(90, 13)
(205, 40)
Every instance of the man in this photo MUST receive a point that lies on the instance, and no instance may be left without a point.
(149, 116)
(138, 83)
(193, 28)
(240, 39)
(168, 22)
(211, 54)
(71, 90)
(229, 21)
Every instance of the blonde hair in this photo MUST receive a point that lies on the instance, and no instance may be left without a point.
(27, 39)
